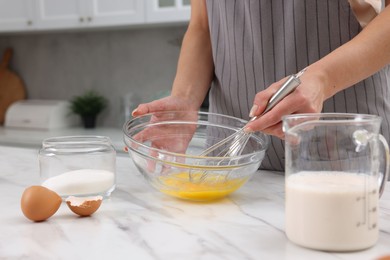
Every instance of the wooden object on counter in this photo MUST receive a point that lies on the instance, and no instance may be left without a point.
(12, 88)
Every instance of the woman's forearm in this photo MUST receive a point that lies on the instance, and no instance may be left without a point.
(356, 60)
(195, 65)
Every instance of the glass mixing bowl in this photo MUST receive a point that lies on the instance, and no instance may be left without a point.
(166, 147)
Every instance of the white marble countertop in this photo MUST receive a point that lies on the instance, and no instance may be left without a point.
(139, 223)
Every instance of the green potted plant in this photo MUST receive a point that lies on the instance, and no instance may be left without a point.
(88, 106)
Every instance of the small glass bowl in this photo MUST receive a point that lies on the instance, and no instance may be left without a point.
(78, 165)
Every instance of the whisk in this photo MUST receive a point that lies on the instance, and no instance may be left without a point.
(240, 138)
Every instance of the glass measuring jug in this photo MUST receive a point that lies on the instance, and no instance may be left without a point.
(336, 169)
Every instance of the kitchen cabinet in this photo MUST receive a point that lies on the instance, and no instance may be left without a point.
(158, 11)
(30, 15)
(115, 12)
(16, 15)
(91, 13)
(58, 14)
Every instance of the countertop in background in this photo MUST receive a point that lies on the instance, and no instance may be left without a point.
(32, 138)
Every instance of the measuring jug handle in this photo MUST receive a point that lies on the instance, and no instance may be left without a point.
(385, 175)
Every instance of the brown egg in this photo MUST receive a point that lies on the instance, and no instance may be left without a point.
(39, 203)
(84, 206)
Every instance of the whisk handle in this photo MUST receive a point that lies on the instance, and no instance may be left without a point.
(289, 86)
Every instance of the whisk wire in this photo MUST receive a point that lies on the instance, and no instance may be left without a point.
(218, 145)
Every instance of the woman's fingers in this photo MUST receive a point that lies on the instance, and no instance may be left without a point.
(295, 103)
(169, 103)
(156, 105)
(306, 98)
(286, 106)
(275, 130)
(261, 99)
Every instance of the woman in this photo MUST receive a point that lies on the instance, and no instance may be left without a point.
(244, 49)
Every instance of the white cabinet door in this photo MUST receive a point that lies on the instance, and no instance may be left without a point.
(115, 12)
(16, 15)
(158, 11)
(59, 14)
(22, 15)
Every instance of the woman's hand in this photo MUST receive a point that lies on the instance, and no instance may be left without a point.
(154, 133)
(172, 138)
(308, 97)
(170, 103)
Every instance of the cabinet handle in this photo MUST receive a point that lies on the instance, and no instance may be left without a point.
(89, 18)
(81, 19)
(29, 22)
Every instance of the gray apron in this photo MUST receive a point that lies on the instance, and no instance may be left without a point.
(258, 42)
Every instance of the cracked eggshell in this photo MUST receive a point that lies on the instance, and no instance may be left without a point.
(84, 206)
(38, 203)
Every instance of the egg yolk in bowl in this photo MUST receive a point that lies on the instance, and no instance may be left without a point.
(193, 185)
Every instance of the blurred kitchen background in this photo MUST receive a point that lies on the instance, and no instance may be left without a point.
(126, 50)
(136, 64)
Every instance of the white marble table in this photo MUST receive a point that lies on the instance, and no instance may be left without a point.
(140, 223)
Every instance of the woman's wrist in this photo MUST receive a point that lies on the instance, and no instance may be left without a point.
(321, 76)
(193, 96)
(192, 103)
